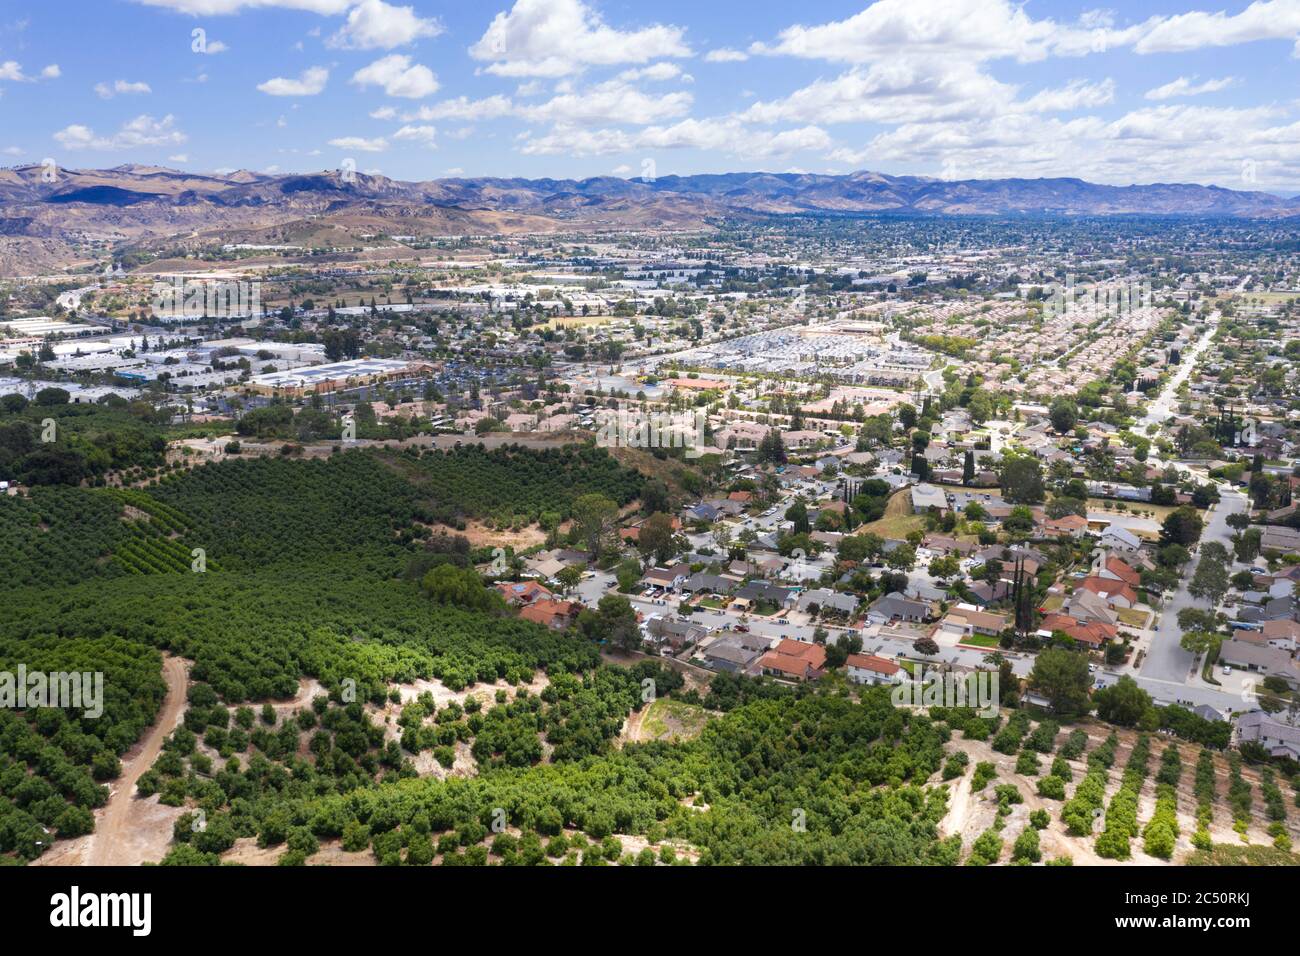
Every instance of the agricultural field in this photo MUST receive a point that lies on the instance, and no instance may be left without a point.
(473, 482)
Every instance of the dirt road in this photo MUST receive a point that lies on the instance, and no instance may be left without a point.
(130, 831)
(118, 839)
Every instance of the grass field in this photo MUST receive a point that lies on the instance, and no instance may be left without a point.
(898, 520)
(668, 719)
(1133, 617)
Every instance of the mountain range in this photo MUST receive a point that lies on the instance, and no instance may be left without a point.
(40, 208)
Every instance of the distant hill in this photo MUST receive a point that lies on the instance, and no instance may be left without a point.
(142, 203)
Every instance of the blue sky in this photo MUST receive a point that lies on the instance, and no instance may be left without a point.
(1195, 91)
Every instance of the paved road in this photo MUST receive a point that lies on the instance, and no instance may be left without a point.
(1162, 409)
(1166, 660)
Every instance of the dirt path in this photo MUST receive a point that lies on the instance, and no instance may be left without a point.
(954, 821)
(129, 831)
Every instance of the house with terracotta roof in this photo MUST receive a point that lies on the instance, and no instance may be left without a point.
(1283, 633)
(519, 593)
(794, 660)
(557, 615)
(1095, 634)
(1067, 526)
(1117, 569)
(870, 669)
(1115, 593)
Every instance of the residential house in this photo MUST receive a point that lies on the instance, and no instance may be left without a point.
(870, 669)
(984, 594)
(676, 634)
(1261, 659)
(1084, 605)
(1115, 593)
(1095, 634)
(1280, 538)
(760, 592)
(1120, 539)
(966, 620)
(735, 653)
(794, 660)
(894, 606)
(1068, 526)
(518, 593)
(825, 600)
(710, 583)
(670, 579)
(1117, 569)
(1283, 633)
(1272, 731)
(557, 615)
(927, 496)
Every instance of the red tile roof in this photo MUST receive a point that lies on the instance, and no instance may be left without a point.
(870, 662)
(1094, 633)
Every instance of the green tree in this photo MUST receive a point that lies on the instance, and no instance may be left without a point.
(1061, 675)
(1182, 526)
(1021, 478)
(656, 538)
(594, 519)
(1064, 415)
(1123, 703)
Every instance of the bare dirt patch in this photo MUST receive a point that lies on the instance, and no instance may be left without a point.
(481, 536)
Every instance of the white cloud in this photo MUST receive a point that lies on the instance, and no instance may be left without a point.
(968, 29)
(205, 8)
(375, 25)
(13, 151)
(11, 70)
(722, 135)
(981, 30)
(657, 71)
(384, 113)
(213, 47)
(309, 83)
(1186, 86)
(51, 72)
(892, 91)
(554, 38)
(138, 133)
(361, 144)
(398, 77)
(463, 108)
(611, 102)
(179, 158)
(418, 134)
(1075, 95)
(1267, 20)
(121, 88)
(726, 55)
(1168, 143)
